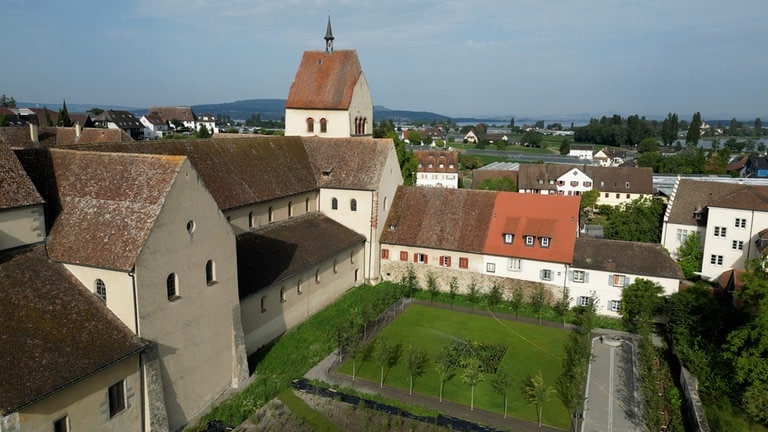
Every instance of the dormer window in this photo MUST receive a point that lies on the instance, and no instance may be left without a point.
(541, 181)
(544, 242)
(626, 185)
(508, 238)
(529, 240)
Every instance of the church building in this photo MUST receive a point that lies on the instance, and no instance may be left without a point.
(329, 96)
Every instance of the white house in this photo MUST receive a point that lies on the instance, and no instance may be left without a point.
(437, 168)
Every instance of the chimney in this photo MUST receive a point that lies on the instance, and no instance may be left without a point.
(78, 130)
(33, 132)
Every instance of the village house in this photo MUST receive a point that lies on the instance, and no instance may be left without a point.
(437, 168)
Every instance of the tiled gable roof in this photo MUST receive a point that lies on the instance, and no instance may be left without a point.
(273, 252)
(430, 161)
(549, 216)
(325, 80)
(109, 203)
(168, 114)
(237, 171)
(745, 198)
(54, 332)
(439, 218)
(642, 259)
(692, 195)
(348, 163)
(16, 188)
(616, 179)
(68, 136)
(21, 137)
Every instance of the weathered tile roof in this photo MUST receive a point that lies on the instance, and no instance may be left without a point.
(431, 160)
(551, 216)
(642, 259)
(68, 136)
(16, 188)
(348, 163)
(325, 80)
(537, 176)
(745, 198)
(273, 252)
(168, 114)
(439, 218)
(692, 195)
(237, 171)
(615, 179)
(109, 203)
(53, 331)
(20, 136)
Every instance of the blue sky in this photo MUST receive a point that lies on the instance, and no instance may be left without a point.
(470, 57)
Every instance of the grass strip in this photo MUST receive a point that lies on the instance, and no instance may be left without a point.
(300, 409)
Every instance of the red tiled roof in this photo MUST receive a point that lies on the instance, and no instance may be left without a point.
(551, 216)
(16, 188)
(53, 331)
(109, 203)
(430, 161)
(325, 80)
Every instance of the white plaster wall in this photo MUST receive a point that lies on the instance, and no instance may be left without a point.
(240, 218)
(584, 183)
(361, 105)
(446, 180)
(531, 270)
(669, 238)
(21, 226)
(732, 259)
(119, 285)
(623, 197)
(391, 178)
(86, 403)
(263, 326)
(197, 334)
(338, 125)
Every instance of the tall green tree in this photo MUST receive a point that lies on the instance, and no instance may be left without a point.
(640, 301)
(63, 120)
(417, 362)
(387, 355)
(689, 255)
(638, 220)
(538, 300)
(473, 293)
(565, 146)
(570, 385)
(516, 300)
(648, 145)
(502, 385)
(537, 393)
(453, 289)
(432, 287)
(694, 130)
(414, 136)
(531, 138)
(758, 128)
(472, 376)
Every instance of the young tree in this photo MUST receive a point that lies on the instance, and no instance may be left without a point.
(416, 362)
(565, 146)
(432, 287)
(502, 384)
(409, 281)
(639, 302)
(516, 299)
(589, 199)
(758, 128)
(472, 376)
(537, 393)
(495, 295)
(563, 305)
(453, 289)
(669, 128)
(689, 255)
(473, 293)
(538, 300)
(203, 132)
(387, 355)
(445, 368)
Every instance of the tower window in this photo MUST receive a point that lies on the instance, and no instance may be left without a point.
(323, 125)
(101, 290)
(310, 124)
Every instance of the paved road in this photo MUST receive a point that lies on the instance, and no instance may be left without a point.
(612, 389)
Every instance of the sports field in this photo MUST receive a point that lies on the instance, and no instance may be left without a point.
(530, 348)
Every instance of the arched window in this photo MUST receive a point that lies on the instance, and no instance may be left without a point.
(251, 220)
(290, 208)
(323, 125)
(283, 298)
(306, 205)
(310, 124)
(172, 286)
(317, 276)
(101, 290)
(335, 266)
(334, 204)
(385, 203)
(270, 216)
(210, 272)
(298, 287)
(263, 304)
(353, 204)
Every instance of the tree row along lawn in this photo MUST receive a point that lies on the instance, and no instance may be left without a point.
(530, 349)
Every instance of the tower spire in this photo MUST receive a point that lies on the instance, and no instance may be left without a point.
(329, 36)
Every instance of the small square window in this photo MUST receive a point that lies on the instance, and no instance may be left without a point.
(508, 238)
(618, 280)
(740, 223)
(546, 275)
(385, 254)
(420, 258)
(614, 305)
(490, 267)
(445, 261)
(463, 263)
(529, 240)
(585, 301)
(544, 242)
(515, 264)
(403, 256)
(716, 260)
(578, 276)
(737, 245)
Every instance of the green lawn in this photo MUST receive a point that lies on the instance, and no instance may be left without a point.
(531, 348)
